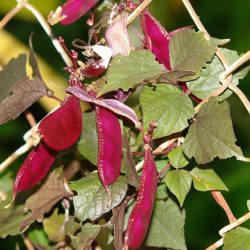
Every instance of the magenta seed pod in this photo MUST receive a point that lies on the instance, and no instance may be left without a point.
(94, 69)
(140, 217)
(109, 145)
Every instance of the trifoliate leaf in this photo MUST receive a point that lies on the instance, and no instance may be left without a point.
(167, 226)
(92, 200)
(237, 239)
(211, 134)
(54, 225)
(168, 106)
(177, 158)
(12, 72)
(209, 77)
(89, 150)
(206, 180)
(190, 50)
(81, 236)
(179, 183)
(127, 72)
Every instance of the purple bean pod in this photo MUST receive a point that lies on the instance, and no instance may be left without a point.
(94, 69)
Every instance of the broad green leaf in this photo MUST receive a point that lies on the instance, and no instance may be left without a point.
(11, 217)
(190, 50)
(38, 236)
(127, 72)
(53, 226)
(168, 106)
(89, 150)
(161, 164)
(161, 192)
(14, 71)
(209, 76)
(81, 236)
(237, 239)
(167, 226)
(92, 200)
(207, 179)
(179, 183)
(177, 157)
(211, 134)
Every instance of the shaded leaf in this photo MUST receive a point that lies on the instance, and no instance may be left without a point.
(89, 134)
(237, 239)
(207, 179)
(54, 225)
(128, 163)
(167, 226)
(209, 77)
(81, 236)
(92, 200)
(11, 218)
(168, 107)
(24, 93)
(248, 205)
(38, 237)
(177, 157)
(111, 104)
(12, 72)
(118, 221)
(190, 50)
(127, 72)
(179, 183)
(52, 191)
(161, 192)
(174, 76)
(211, 134)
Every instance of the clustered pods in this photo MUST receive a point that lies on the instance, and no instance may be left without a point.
(140, 217)
(59, 130)
(74, 9)
(109, 145)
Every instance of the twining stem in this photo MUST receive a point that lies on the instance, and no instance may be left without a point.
(217, 195)
(138, 11)
(12, 13)
(30, 118)
(226, 76)
(227, 228)
(49, 32)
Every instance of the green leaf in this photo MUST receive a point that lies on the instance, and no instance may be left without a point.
(89, 150)
(190, 50)
(177, 157)
(237, 239)
(168, 106)
(211, 134)
(127, 72)
(38, 236)
(81, 236)
(179, 183)
(14, 71)
(11, 217)
(161, 192)
(167, 226)
(53, 226)
(206, 180)
(92, 200)
(209, 77)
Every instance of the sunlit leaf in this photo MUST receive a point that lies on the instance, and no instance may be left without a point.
(168, 107)
(127, 72)
(206, 180)
(211, 134)
(92, 200)
(177, 158)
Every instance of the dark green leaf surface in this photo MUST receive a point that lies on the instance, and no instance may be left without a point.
(126, 72)
(92, 200)
(206, 180)
(88, 143)
(167, 226)
(179, 183)
(211, 134)
(168, 107)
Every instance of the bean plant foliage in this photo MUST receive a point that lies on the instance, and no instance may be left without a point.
(153, 122)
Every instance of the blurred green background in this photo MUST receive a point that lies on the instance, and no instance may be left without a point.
(222, 20)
